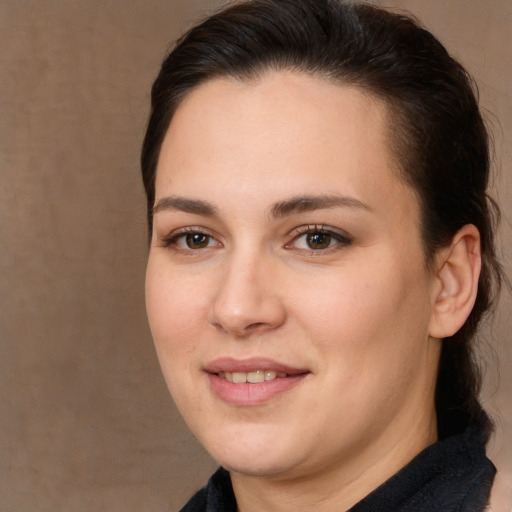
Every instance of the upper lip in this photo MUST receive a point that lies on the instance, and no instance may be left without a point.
(229, 364)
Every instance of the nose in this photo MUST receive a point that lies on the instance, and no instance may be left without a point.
(247, 299)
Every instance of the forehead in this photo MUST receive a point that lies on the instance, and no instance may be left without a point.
(281, 100)
(286, 129)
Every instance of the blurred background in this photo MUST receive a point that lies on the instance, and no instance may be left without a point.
(86, 422)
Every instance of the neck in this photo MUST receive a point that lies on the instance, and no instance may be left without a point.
(343, 485)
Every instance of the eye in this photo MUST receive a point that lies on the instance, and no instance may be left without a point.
(315, 238)
(318, 240)
(190, 239)
(194, 240)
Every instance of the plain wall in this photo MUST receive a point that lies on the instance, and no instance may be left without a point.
(86, 422)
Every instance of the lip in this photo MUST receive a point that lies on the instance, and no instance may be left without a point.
(247, 394)
(229, 364)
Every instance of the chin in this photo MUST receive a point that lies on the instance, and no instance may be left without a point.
(253, 455)
(268, 467)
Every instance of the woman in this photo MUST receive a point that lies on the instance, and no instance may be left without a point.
(321, 253)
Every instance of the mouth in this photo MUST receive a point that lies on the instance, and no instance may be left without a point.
(253, 381)
(253, 377)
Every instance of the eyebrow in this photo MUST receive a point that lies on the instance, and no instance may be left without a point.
(183, 204)
(294, 205)
(302, 204)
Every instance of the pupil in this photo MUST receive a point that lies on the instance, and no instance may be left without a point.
(318, 240)
(197, 240)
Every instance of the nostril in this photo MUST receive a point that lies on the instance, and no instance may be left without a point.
(241, 330)
(255, 326)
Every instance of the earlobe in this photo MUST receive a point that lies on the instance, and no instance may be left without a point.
(457, 277)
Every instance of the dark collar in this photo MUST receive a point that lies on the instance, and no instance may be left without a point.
(452, 475)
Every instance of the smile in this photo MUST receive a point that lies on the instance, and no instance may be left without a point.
(253, 377)
(254, 381)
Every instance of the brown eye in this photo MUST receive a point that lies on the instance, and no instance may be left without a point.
(318, 240)
(190, 239)
(197, 240)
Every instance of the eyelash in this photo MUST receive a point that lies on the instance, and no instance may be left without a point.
(341, 240)
(173, 239)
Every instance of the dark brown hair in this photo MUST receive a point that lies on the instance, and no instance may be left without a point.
(435, 127)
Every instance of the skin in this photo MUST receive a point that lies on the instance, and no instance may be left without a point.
(359, 315)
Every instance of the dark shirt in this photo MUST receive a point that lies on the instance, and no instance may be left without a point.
(452, 475)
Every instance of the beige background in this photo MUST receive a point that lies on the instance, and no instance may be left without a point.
(85, 419)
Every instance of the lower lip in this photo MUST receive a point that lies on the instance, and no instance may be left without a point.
(252, 394)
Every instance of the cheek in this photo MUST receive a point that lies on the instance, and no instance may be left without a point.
(174, 309)
(345, 303)
(363, 313)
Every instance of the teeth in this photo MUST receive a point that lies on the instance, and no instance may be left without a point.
(239, 377)
(270, 375)
(254, 377)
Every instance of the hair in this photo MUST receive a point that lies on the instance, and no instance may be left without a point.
(436, 131)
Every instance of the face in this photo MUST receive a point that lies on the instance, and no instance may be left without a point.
(287, 291)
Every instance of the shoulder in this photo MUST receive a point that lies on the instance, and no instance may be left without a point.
(216, 496)
(197, 503)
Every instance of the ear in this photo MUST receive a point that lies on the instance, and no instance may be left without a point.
(456, 282)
